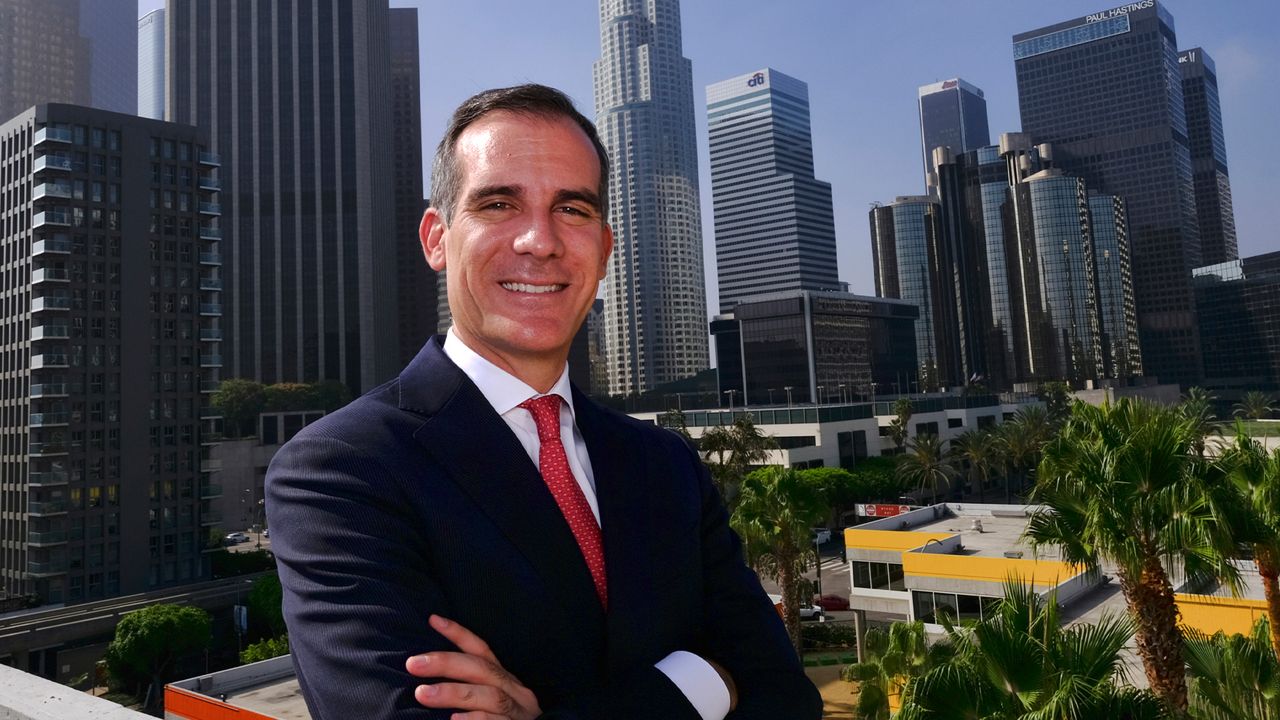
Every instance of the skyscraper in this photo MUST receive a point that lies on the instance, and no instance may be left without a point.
(903, 238)
(111, 348)
(655, 299)
(151, 65)
(296, 97)
(83, 52)
(1239, 304)
(1208, 157)
(775, 229)
(1107, 91)
(953, 113)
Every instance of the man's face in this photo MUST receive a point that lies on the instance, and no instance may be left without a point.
(528, 245)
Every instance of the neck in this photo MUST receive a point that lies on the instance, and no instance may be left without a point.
(538, 371)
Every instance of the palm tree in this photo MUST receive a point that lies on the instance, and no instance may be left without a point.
(1255, 405)
(978, 449)
(1021, 441)
(1234, 677)
(1197, 406)
(1123, 483)
(776, 512)
(1255, 476)
(891, 661)
(1019, 662)
(898, 427)
(926, 464)
(730, 452)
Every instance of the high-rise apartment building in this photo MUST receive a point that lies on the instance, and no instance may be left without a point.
(415, 280)
(111, 345)
(655, 300)
(1106, 90)
(953, 114)
(151, 65)
(296, 98)
(775, 228)
(1208, 157)
(68, 51)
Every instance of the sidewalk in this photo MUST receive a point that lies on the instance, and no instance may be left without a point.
(837, 695)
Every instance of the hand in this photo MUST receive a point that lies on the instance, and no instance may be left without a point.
(486, 690)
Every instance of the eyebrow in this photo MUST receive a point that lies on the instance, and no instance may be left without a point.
(585, 196)
(515, 191)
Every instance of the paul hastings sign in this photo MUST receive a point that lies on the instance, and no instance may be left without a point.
(1122, 10)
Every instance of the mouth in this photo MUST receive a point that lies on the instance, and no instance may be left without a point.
(532, 289)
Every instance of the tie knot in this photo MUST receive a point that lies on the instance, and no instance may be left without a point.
(546, 414)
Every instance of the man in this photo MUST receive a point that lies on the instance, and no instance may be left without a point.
(478, 537)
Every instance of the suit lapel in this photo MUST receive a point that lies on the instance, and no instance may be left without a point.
(486, 460)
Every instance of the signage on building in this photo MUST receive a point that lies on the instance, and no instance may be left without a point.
(1122, 10)
(881, 511)
(1187, 57)
(757, 79)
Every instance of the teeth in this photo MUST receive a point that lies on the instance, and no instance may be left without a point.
(527, 288)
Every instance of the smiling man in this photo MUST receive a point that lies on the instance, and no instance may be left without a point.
(476, 538)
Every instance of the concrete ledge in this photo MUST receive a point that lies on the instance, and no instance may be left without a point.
(27, 697)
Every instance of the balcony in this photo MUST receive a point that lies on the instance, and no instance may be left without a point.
(210, 208)
(40, 569)
(211, 517)
(210, 283)
(51, 217)
(52, 274)
(208, 182)
(48, 360)
(49, 419)
(51, 190)
(53, 162)
(52, 537)
(210, 334)
(210, 490)
(210, 159)
(46, 507)
(210, 361)
(57, 244)
(49, 332)
(210, 233)
(209, 386)
(47, 478)
(210, 258)
(53, 134)
(50, 302)
(211, 309)
(50, 390)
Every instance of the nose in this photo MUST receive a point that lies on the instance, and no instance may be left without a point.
(540, 237)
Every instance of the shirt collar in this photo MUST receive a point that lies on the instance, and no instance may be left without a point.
(503, 390)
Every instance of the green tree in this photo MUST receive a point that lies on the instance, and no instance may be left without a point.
(926, 464)
(1021, 442)
(329, 395)
(774, 516)
(265, 599)
(285, 397)
(1234, 677)
(891, 661)
(265, 650)
(240, 402)
(1255, 405)
(149, 642)
(730, 453)
(979, 450)
(1056, 396)
(1122, 483)
(1255, 476)
(899, 427)
(1197, 407)
(675, 421)
(1019, 663)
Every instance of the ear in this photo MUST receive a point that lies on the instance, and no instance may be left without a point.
(431, 235)
(607, 238)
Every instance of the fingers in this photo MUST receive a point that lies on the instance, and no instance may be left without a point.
(467, 641)
(457, 666)
(480, 701)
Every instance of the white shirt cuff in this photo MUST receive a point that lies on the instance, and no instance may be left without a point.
(699, 682)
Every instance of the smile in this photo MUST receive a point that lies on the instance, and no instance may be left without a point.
(527, 288)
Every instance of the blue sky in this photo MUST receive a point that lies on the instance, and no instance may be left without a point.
(863, 62)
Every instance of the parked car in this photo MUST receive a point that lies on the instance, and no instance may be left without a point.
(832, 602)
(266, 533)
(235, 538)
(807, 612)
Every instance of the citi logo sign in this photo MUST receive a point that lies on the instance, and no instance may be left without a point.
(757, 79)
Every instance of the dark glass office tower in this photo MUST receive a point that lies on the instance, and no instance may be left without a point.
(959, 259)
(1117, 314)
(1106, 91)
(83, 52)
(904, 237)
(1208, 157)
(415, 280)
(111, 334)
(296, 98)
(953, 114)
(1239, 305)
(775, 228)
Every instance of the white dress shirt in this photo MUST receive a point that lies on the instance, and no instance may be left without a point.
(696, 679)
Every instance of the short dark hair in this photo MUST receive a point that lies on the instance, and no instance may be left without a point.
(529, 99)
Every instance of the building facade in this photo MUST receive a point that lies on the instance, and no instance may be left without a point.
(953, 114)
(1106, 90)
(113, 334)
(304, 127)
(774, 223)
(151, 65)
(655, 300)
(68, 51)
(904, 237)
(1208, 157)
(1239, 306)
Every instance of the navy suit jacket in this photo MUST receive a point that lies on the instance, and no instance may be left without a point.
(417, 499)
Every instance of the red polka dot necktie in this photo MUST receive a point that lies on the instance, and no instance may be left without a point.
(554, 466)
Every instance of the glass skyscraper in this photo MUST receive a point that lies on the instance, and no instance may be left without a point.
(1239, 305)
(953, 114)
(151, 65)
(1208, 157)
(902, 235)
(1107, 91)
(655, 305)
(775, 229)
